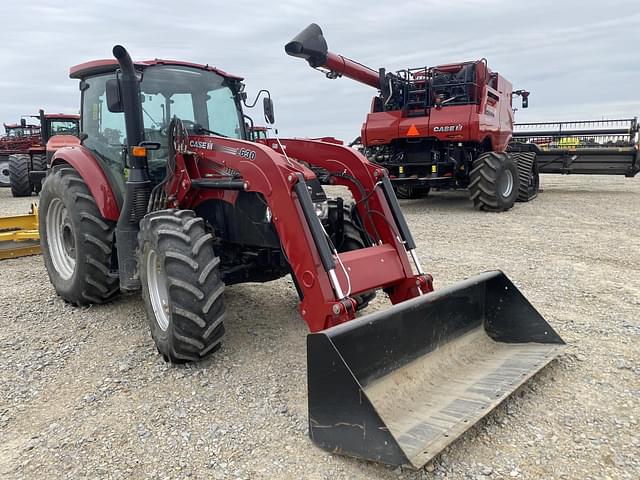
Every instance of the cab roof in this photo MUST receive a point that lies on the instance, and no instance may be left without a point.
(96, 67)
(63, 116)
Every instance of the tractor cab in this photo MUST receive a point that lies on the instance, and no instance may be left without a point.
(205, 99)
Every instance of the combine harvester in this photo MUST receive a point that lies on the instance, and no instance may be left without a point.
(445, 127)
(194, 204)
(594, 147)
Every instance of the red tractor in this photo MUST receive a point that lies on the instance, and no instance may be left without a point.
(445, 127)
(27, 156)
(18, 138)
(169, 195)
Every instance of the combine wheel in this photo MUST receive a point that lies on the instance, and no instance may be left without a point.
(181, 285)
(4, 172)
(39, 164)
(351, 239)
(407, 192)
(494, 182)
(528, 175)
(76, 240)
(19, 175)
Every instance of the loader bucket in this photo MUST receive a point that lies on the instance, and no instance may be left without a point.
(398, 386)
(19, 235)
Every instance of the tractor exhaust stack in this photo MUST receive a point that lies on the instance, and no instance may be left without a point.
(398, 386)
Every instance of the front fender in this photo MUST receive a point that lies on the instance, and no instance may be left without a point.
(85, 163)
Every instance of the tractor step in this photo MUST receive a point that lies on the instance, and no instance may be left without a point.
(398, 386)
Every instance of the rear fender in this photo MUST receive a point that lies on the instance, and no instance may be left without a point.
(85, 163)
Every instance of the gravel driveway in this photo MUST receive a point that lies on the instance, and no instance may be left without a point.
(84, 394)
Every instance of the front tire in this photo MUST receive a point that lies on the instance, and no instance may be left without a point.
(494, 182)
(19, 175)
(181, 285)
(76, 240)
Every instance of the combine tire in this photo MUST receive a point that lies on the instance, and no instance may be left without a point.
(76, 240)
(39, 164)
(4, 172)
(351, 240)
(406, 192)
(181, 285)
(19, 175)
(494, 182)
(528, 176)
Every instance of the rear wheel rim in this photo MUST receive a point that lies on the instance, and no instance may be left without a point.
(157, 287)
(506, 184)
(4, 172)
(61, 239)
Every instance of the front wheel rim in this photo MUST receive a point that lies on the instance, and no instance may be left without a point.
(61, 239)
(507, 183)
(157, 287)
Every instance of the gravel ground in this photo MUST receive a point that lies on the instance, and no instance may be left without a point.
(83, 393)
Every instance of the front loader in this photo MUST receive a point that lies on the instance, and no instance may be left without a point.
(169, 195)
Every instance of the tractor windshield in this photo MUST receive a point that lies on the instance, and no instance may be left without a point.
(198, 97)
(63, 127)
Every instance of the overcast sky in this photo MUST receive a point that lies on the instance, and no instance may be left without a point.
(580, 59)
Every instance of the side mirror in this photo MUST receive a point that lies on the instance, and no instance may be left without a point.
(114, 100)
(525, 101)
(267, 107)
(23, 122)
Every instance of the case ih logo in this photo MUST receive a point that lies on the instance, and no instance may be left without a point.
(201, 144)
(448, 128)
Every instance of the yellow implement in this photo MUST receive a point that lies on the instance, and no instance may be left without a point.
(19, 235)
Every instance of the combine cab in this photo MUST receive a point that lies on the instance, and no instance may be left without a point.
(597, 147)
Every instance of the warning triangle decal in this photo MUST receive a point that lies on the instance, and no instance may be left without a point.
(413, 131)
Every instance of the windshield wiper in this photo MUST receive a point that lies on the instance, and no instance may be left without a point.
(200, 129)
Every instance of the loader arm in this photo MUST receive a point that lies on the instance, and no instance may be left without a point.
(327, 280)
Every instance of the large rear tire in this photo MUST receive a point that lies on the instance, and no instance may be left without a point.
(181, 285)
(19, 175)
(351, 239)
(528, 175)
(76, 240)
(494, 182)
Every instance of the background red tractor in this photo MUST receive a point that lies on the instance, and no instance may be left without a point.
(445, 127)
(170, 195)
(18, 137)
(28, 147)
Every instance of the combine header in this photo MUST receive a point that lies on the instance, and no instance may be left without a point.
(193, 203)
(599, 147)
